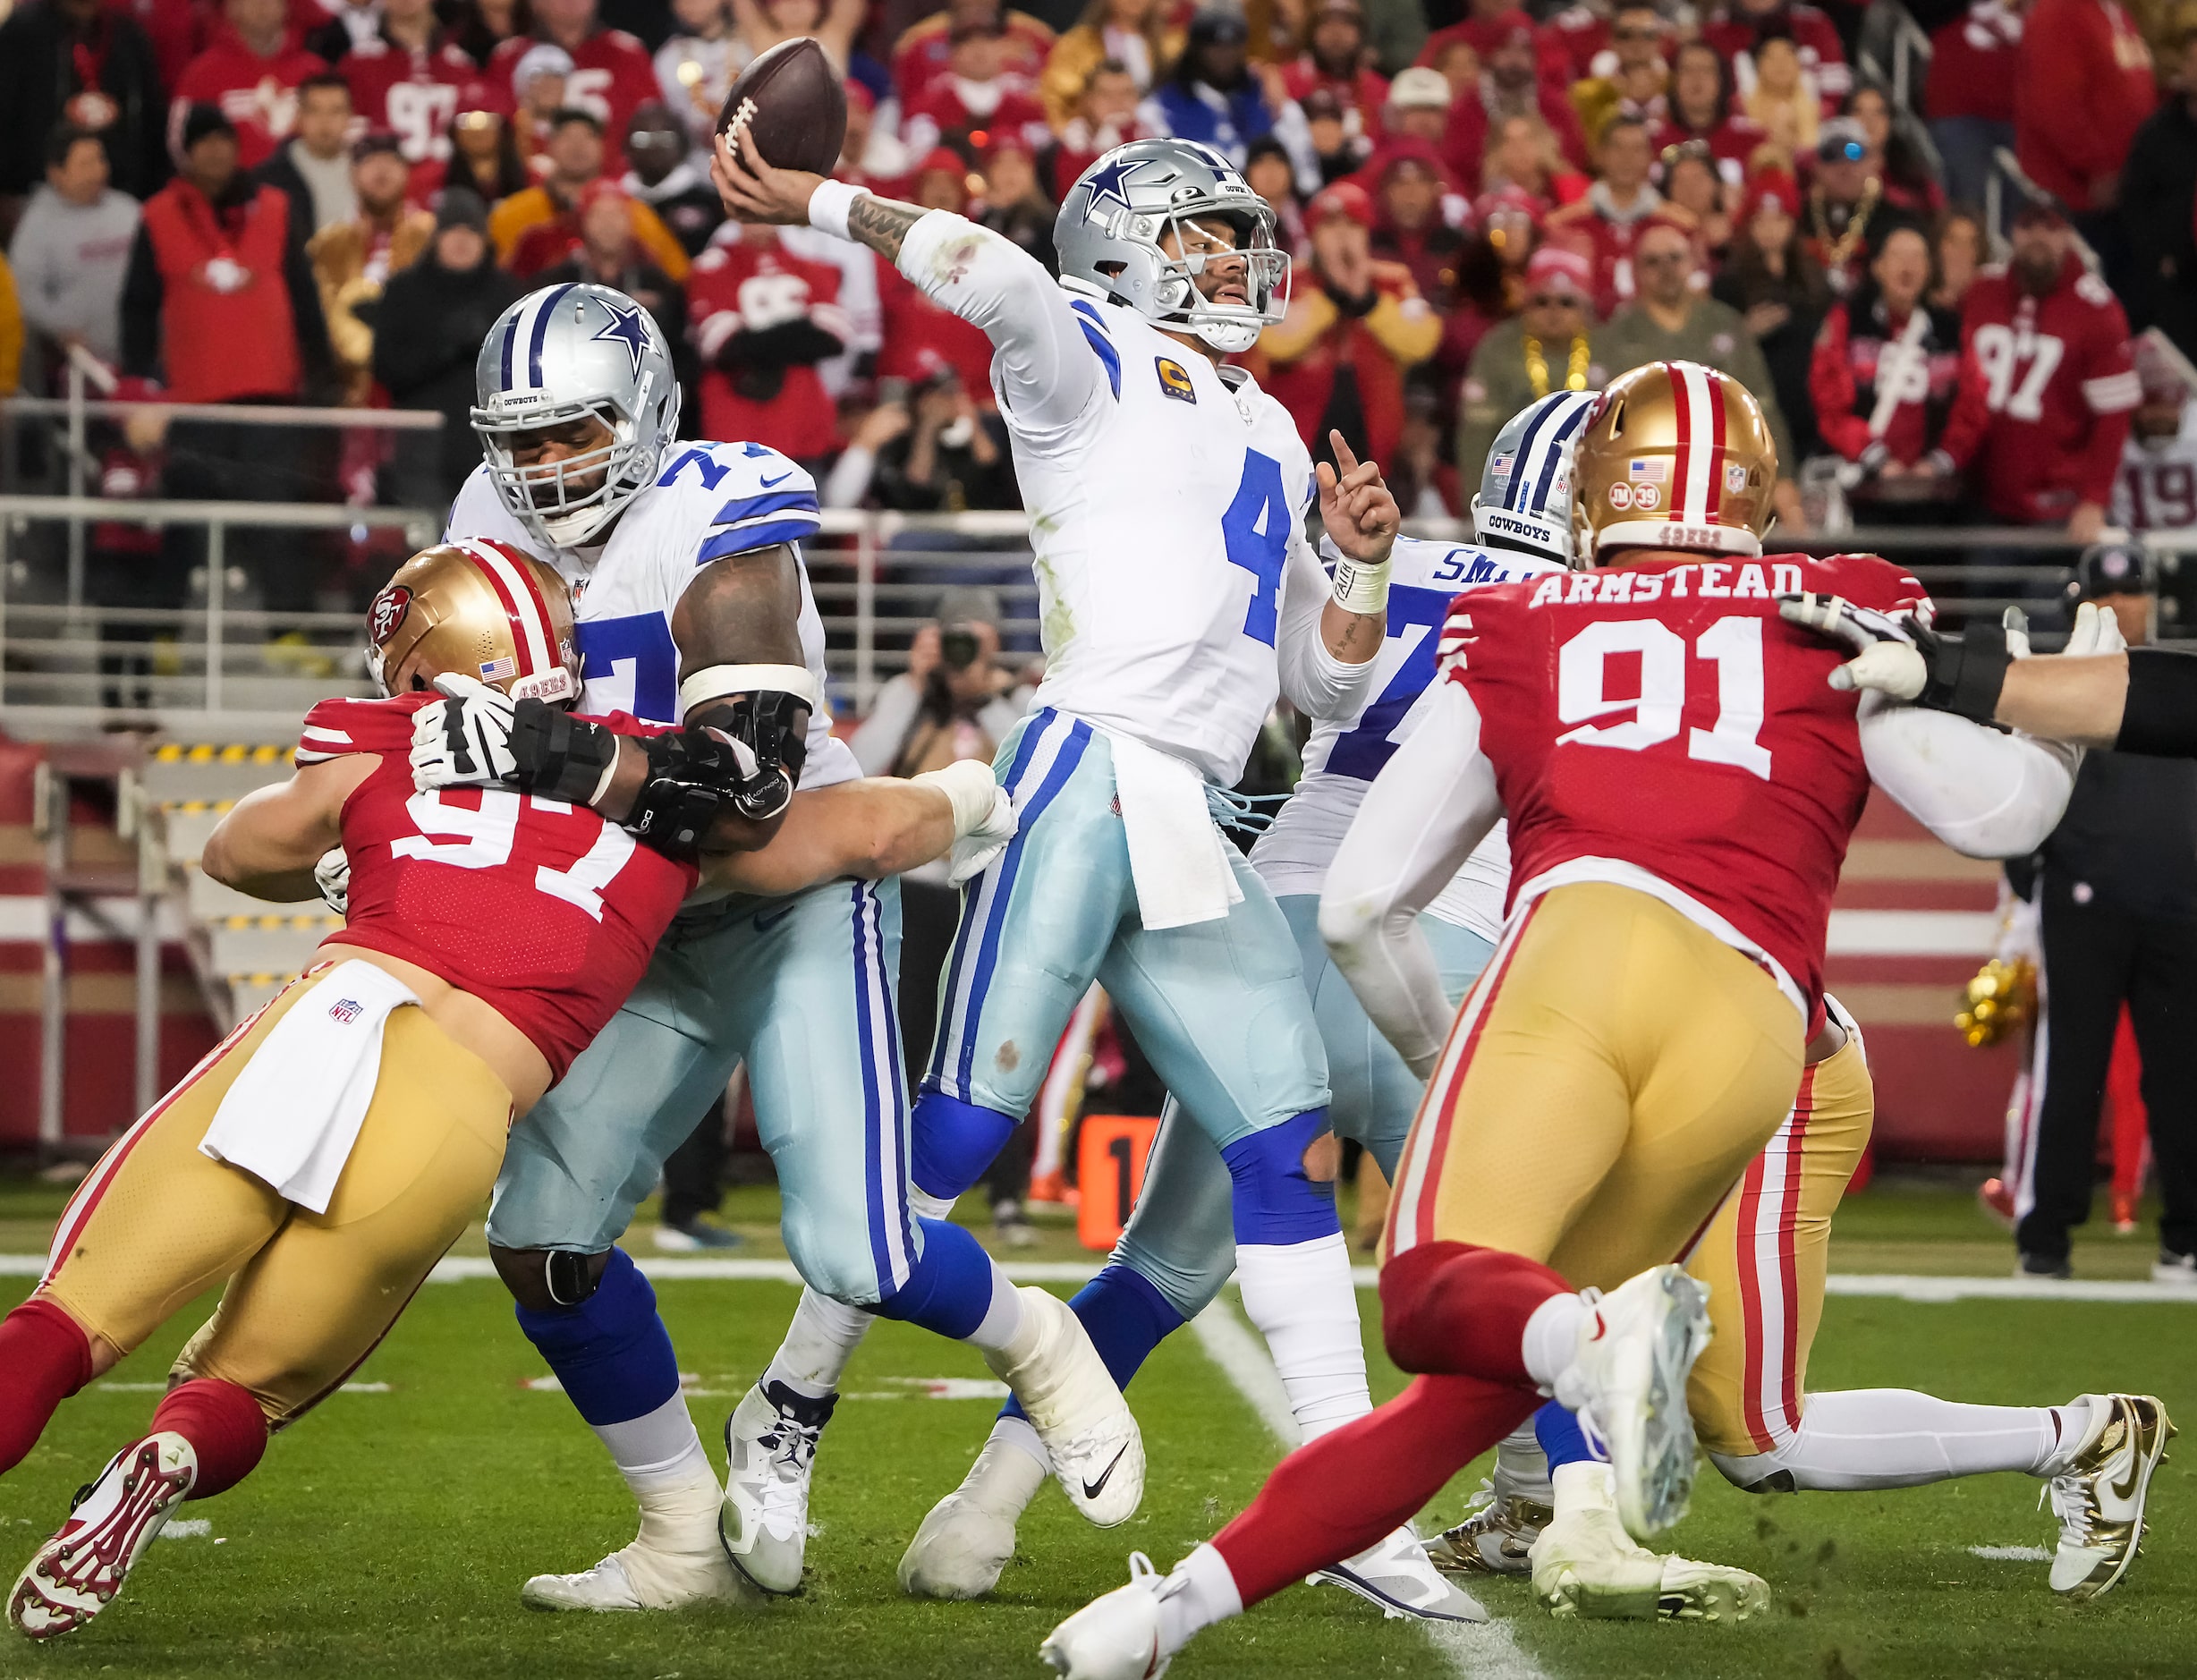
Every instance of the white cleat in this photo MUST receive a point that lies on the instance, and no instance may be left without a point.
(1077, 1411)
(1495, 1538)
(1585, 1564)
(1399, 1577)
(77, 1573)
(2100, 1498)
(968, 1536)
(1116, 1637)
(770, 1443)
(641, 1578)
(1627, 1381)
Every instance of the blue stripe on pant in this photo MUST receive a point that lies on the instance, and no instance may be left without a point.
(801, 990)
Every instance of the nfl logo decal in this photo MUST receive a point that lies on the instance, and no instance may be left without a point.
(1734, 479)
(345, 1010)
(1175, 380)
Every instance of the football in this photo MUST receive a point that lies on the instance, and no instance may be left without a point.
(793, 104)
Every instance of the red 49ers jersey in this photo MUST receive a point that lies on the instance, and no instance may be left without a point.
(543, 911)
(612, 74)
(413, 94)
(1661, 726)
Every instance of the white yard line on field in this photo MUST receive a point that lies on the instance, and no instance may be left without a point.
(1483, 1651)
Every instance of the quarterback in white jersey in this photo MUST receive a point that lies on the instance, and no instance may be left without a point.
(693, 606)
(1167, 496)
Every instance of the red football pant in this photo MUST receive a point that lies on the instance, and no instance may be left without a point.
(1454, 1311)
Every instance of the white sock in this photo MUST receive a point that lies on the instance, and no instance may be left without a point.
(1002, 1319)
(1520, 1468)
(925, 1206)
(661, 1458)
(1552, 1338)
(1207, 1594)
(1013, 1430)
(1301, 1298)
(1585, 1486)
(1861, 1439)
(817, 1346)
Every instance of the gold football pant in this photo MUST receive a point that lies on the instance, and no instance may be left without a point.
(156, 1223)
(1764, 1256)
(1606, 1083)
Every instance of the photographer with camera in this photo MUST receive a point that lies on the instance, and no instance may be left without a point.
(956, 700)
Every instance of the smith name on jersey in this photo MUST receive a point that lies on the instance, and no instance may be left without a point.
(709, 500)
(1661, 726)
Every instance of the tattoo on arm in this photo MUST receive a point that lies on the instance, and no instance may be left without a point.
(883, 223)
(744, 609)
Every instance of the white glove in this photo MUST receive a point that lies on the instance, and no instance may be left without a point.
(332, 875)
(983, 816)
(465, 740)
(1884, 643)
(2096, 632)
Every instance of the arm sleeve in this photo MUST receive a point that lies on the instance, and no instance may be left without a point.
(877, 742)
(2111, 390)
(1404, 326)
(1316, 682)
(1430, 805)
(1972, 411)
(1052, 362)
(1984, 792)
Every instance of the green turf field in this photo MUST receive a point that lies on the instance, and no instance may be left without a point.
(389, 1533)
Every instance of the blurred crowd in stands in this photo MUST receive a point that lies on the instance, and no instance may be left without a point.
(272, 202)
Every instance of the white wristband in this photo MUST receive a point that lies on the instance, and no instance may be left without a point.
(969, 786)
(718, 681)
(829, 206)
(1363, 587)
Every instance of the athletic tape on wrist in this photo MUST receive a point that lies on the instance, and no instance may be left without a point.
(716, 680)
(1363, 587)
(829, 206)
(969, 787)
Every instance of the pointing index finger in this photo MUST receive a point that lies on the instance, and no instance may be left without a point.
(1346, 462)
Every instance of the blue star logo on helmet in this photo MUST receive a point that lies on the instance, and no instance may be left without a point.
(626, 328)
(1110, 182)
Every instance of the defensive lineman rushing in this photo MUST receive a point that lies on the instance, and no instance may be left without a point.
(1640, 1032)
(1179, 1247)
(692, 605)
(1166, 492)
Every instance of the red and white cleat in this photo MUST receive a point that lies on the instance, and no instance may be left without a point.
(77, 1573)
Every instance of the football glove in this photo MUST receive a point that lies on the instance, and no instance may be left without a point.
(770, 728)
(2096, 632)
(464, 739)
(332, 875)
(1900, 655)
(983, 816)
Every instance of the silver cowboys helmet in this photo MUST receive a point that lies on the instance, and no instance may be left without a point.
(564, 354)
(1113, 218)
(1524, 499)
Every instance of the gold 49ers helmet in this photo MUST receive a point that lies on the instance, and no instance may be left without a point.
(477, 610)
(1673, 455)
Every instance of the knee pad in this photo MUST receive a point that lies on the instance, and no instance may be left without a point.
(1276, 1202)
(953, 1142)
(611, 1351)
(949, 1288)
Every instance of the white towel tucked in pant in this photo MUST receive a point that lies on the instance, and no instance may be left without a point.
(294, 1111)
(1177, 856)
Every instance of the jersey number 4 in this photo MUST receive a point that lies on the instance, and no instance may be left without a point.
(470, 837)
(1255, 528)
(1733, 645)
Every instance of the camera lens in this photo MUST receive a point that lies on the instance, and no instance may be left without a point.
(958, 649)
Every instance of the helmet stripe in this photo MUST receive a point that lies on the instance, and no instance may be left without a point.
(522, 603)
(1714, 390)
(1575, 414)
(1692, 398)
(1522, 470)
(542, 317)
(511, 343)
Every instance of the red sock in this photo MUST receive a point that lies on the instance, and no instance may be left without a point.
(1451, 1307)
(1391, 1462)
(225, 1427)
(45, 1357)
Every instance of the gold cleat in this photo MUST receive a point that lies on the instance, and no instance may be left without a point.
(2100, 1498)
(1495, 1538)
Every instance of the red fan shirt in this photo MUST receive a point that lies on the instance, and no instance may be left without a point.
(612, 75)
(2059, 378)
(740, 292)
(413, 95)
(258, 95)
(543, 911)
(1660, 725)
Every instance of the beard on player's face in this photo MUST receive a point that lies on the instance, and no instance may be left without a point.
(1225, 275)
(544, 447)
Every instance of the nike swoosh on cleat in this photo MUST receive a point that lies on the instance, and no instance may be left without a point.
(1092, 1489)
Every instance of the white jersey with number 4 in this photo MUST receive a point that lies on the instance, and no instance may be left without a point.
(1166, 497)
(708, 500)
(1345, 754)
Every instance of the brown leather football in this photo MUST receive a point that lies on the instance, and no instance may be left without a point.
(794, 106)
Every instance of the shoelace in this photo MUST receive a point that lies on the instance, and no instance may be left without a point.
(2074, 1504)
(792, 1447)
